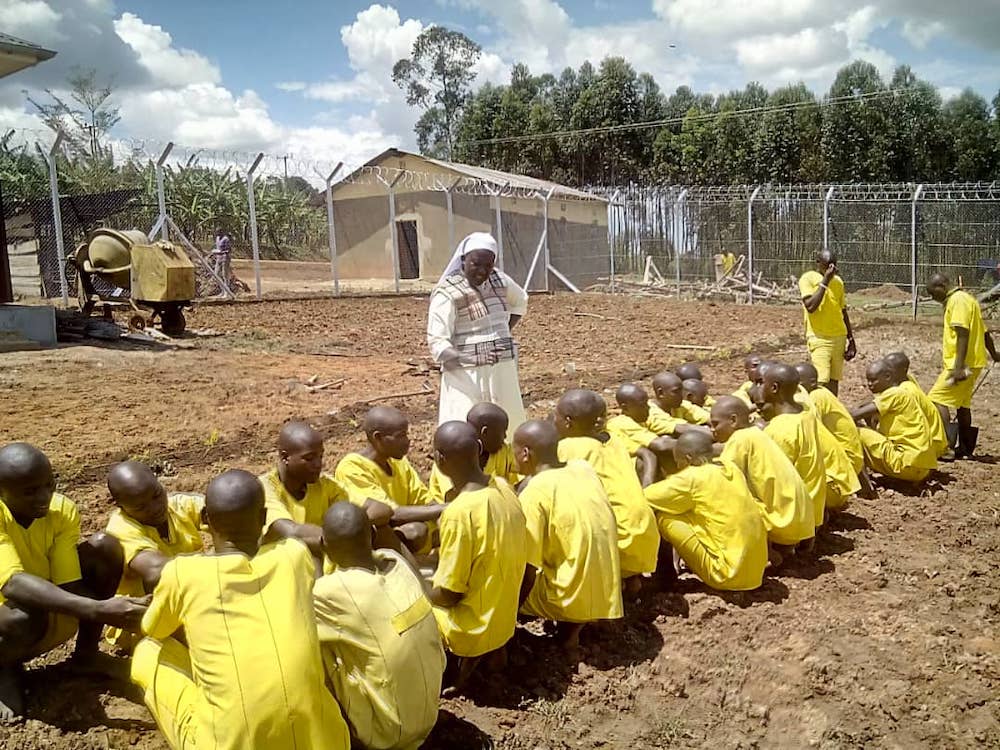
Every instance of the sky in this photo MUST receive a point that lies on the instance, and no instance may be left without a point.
(313, 78)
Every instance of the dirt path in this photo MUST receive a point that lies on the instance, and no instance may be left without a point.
(888, 640)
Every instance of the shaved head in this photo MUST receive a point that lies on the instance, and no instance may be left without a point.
(135, 489)
(899, 363)
(26, 480)
(826, 257)
(663, 380)
(234, 508)
(384, 419)
(21, 461)
(456, 449)
(689, 371)
(669, 390)
(807, 375)
(491, 424)
(631, 393)
(536, 443)
(347, 532)
(579, 413)
(693, 448)
(728, 415)
(695, 391)
(880, 375)
(297, 436)
(781, 382)
(938, 286)
(300, 455)
(751, 365)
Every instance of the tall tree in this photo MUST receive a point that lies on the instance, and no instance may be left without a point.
(856, 126)
(922, 151)
(437, 77)
(967, 121)
(86, 117)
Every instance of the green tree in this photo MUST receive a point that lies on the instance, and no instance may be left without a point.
(922, 151)
(856, 142)
(967, 122)
(437, 77)
(86, 117)
(787, 138)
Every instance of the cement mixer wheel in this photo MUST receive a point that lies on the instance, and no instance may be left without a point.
(172, 320)
(137, 323)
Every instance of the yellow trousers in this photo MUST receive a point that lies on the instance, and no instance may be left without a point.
(163, 671)
(954, 395)
(887, 458)
(827, 355)
(702, 560)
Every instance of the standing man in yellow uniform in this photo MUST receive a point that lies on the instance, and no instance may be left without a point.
(964, 348)
(248, 673)
(829, 335)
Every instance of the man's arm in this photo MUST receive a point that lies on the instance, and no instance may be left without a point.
(813, 301)
(148, 565)
(31, 592)
(442, 597)
(410, 513)
(649, 466)
(305, 532)
(865, 412)
(991, 347)
(958, 372)
(852, 348)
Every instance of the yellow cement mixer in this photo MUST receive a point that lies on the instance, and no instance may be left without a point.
(122, 267)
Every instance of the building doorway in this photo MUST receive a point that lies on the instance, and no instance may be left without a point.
(409, 251)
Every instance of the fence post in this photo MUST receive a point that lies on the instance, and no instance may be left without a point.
(499, 220)
(753, 197)
(678, 238)
(451, 215)
(913, 248)
(331, 229)
(545, 247)
(393, 231)
(50, 161)
(826, 217)
(612, 205)
(252, 205)
(161, 196)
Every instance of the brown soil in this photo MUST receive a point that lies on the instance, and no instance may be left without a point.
(888, 639)
(888, 292)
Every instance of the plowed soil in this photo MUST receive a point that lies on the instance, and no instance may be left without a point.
(889, 639)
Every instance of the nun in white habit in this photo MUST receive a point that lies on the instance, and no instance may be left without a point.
(473, 309)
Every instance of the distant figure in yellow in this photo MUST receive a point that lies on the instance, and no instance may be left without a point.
(706, 513)
(380, 472)
(965, 345)
(833, 414)
(728, 262)
(495, 456)
(902, 447)
(796, 431)
(380, 642)
(829, 335)
(248, 672)
(900, 364)
(781, 495)
(572, 536)
(579, 418)
(477, 588)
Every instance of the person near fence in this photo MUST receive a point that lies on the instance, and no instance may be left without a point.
(221, 254)
(473, 309)
(829, 334)
(964, 348)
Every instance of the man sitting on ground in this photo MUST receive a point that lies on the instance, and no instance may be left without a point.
(706, 513)
(50, 582)
(381, 472)
(902, 447)
(696, 394)
(572, 535)
(579, 420)
(691, 371)
(668, 398)
(482, 568)
(900, 365)
(379, 640)
(631, 429)
(248, 673)
(495, 456)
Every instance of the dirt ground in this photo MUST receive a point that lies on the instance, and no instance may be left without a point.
(889, 639)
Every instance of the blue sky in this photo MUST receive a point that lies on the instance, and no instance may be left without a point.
(314, 77)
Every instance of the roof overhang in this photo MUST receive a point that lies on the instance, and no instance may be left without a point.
(16, 55)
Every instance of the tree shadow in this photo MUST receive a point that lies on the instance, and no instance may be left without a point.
(455, 733)
(61, 697)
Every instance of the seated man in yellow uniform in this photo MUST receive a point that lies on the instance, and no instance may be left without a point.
(706, 513)
(631, 428)
(381, 472)
(49, 582)
(495, 456)
(377, 633)
(580, 418)
(781, 495)
(572, 536)
(668, 398)
(248, 673)
(696, 393)
(151, 527)
(902, 447)
(482, 569)
(829, 335)
(900, 364)
(966, 347)
(297, 492)
(691, 371)
(751, 366)
(796, 431)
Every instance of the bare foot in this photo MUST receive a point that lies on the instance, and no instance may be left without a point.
(11, 695)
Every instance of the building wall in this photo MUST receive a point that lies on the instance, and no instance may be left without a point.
(364, 243)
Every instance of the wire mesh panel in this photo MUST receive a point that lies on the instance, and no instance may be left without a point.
(958, 233)
(787, 231)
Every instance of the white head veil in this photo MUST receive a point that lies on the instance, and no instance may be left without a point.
(475, 241)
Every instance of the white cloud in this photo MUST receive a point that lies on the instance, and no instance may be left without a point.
(291, 86)
(27, 17)
(360, 87)
(920, 33)
(168, 66)
(730, 18)
(808, 48)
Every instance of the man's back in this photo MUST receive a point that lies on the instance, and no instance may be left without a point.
(798, 436)
(902, 421)
(837, 419)
(254, 652)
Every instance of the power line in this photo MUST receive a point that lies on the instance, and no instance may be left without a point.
(601, 129)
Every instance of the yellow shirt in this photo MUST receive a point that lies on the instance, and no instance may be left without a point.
(837, 419)
(939, 438)
(841, 478)
(255, 657)
(828, 320)
(728, 261)
(281, 505)
(900, 420)
(483, 557)
(638, 537)
(500, 464)
(364, 479)
(781, 495)
(961, 309)
(381, 650)
(691, 413)
(573, 541)
(630, 433)
(798, 436)
(47, 548)
(715, 501)
(660, 421)
(743, 394)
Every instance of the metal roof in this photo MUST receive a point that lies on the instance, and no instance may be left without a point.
(17, 54)
(495, 177)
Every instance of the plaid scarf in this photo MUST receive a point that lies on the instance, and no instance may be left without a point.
(470, 302)
(482, 318)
